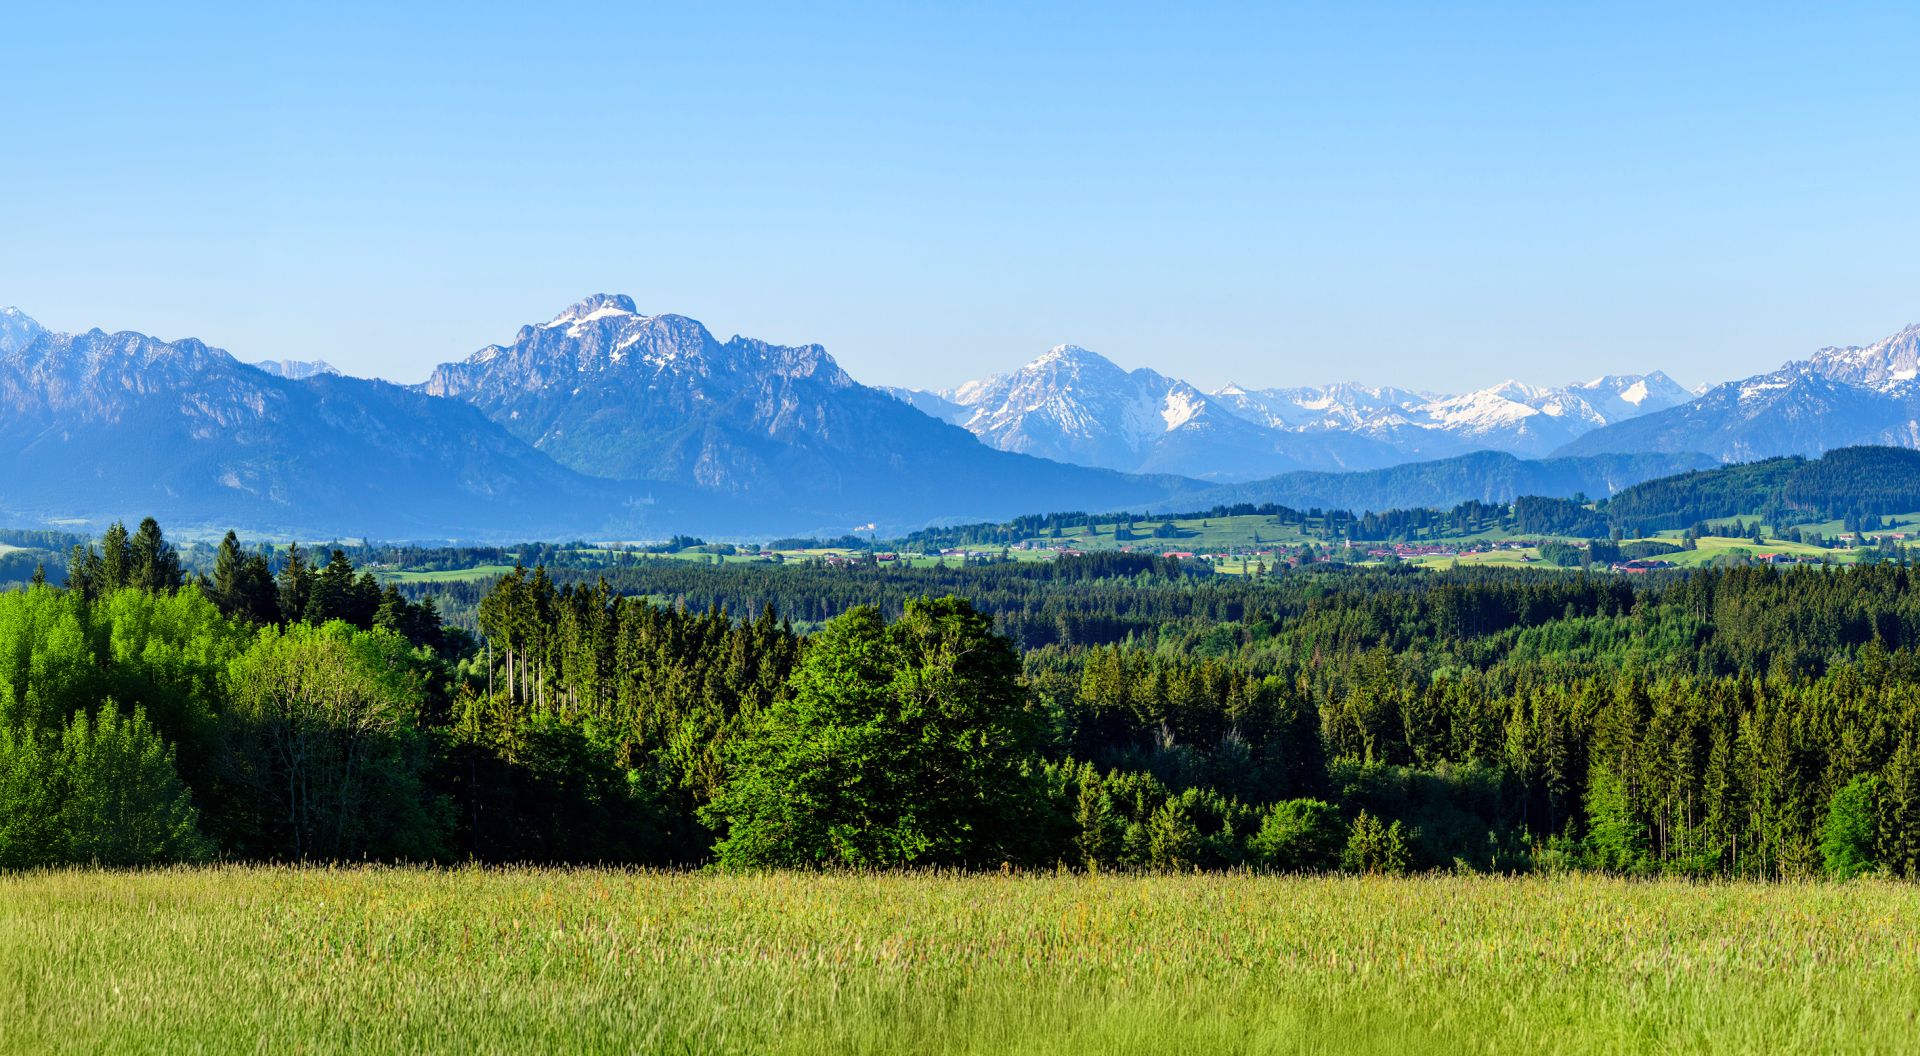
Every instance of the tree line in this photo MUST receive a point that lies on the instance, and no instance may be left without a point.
(1739, 722)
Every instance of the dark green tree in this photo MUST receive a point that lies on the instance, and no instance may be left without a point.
(296, 584)
(242, 584)
(152, 562)
(116, 559)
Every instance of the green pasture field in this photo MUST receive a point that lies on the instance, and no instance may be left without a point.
(1529, 557)
(1892, 522)
(449, 575)
(1197, 534)
(1709, 547)
(1228, 535)
(237, 959)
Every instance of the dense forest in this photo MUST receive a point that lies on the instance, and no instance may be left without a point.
(1113, 711)
(1853, 484)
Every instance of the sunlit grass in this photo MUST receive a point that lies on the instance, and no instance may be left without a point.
(447, 575)
(283, 960)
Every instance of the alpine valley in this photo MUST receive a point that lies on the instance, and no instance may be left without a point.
(607, 422)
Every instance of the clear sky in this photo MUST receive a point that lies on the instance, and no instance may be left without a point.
(1430, 195)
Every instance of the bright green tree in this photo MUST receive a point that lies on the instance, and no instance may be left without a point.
(121, 801)
(1616, 839)
(1172, 838)
(1374, 847)
(1847, 835)
(103, 791)
(897, 745)
(1299, 835)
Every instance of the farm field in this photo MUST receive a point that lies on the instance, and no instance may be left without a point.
(238, 959)
(1241, 536)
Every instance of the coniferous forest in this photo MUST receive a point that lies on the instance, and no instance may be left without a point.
(1109, 712)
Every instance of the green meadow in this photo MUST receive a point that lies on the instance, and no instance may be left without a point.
(450, 575)
(260, 959)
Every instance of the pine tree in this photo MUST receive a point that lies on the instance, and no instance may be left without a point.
(1373, 847)
(1172, 839)
(242, 584)
(83, 571)
(1093, 815)
(228, 587)
(296, 584)
(152, 562)
(116, 559)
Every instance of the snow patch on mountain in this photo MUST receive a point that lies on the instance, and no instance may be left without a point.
(296, 369)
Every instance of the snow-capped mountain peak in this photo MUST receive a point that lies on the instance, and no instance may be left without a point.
(606, 335)
(1514, 415)
(1888, 361)
(17, 330)
(1070, 354)
(1072, 404)
(598, 306)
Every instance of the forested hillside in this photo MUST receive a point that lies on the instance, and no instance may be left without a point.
(1484, 476)
(1849, 482)
(1111, 712)
(1849, 485)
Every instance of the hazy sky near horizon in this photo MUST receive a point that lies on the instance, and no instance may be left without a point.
(1430, 196)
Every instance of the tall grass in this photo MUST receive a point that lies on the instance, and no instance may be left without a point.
(378, 960)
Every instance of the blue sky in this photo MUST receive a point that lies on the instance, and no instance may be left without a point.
(1424, 195)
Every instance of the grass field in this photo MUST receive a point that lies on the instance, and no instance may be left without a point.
(451, 575)
(1500, 558)
(1197, 534)
(1709, 547)
(284, 960)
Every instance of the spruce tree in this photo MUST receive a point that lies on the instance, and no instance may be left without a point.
(152, 562)
(296, 583)
(229, 568)
(116, 558)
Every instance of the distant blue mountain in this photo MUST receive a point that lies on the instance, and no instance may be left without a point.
(600, 425)
(1485, 476)
(1838, 397)
(98, 425)
(607, 422)
(608, 391)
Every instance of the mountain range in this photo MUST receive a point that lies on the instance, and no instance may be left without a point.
(100, 425)
(606, 390)
(1838, 397)
(1074, 405)
(609, 422)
